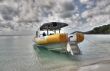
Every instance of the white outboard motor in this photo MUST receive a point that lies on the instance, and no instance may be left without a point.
(72, 45)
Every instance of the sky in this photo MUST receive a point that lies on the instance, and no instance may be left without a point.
(81, 15)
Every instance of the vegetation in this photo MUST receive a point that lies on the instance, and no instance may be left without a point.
(105, 29)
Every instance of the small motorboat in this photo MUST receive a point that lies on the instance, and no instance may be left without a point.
(58, 41)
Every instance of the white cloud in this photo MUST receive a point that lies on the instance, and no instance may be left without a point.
(79, 14)
(84, 1)
(98, 15)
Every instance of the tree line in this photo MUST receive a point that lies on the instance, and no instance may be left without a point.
(105, 29)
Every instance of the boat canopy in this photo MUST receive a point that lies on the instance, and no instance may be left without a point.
(53, 26)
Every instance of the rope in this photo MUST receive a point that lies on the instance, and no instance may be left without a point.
(92, 42)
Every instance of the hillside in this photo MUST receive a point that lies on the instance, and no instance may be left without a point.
(105, 29)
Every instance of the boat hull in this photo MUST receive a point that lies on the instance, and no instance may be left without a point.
(57, 47)
(51, 39)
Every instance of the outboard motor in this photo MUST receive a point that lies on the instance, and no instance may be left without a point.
(74, 40)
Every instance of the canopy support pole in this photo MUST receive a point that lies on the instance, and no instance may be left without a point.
(55, 31)
(59, 30)
(47, 31)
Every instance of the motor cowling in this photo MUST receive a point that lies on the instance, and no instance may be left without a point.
(80, 37)
(77, 37)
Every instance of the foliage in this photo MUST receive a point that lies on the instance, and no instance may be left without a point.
(105, 29)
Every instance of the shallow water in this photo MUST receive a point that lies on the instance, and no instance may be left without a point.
(18, 53)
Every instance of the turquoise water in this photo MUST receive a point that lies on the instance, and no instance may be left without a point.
(18, 53)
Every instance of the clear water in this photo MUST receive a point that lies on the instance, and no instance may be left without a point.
(18, 53)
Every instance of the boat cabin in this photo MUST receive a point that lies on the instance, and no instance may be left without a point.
(52, 26)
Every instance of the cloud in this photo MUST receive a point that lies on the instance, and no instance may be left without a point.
(8, 12)
(98, 15)
(68, 6)
(30, 14)
(84, 1)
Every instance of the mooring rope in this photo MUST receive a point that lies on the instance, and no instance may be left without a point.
(94, 43)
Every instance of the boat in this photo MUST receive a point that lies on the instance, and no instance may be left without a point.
(58, 41)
